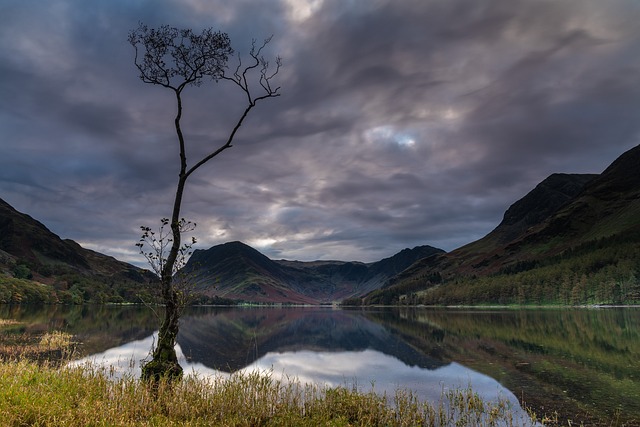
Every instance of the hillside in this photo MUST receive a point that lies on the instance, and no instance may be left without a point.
(574, 239)
(64, 271)
(236, 271)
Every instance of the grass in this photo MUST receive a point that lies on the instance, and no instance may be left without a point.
(15, 344)
(42, 395)
(55, 340)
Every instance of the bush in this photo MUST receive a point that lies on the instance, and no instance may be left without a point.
(21, 271)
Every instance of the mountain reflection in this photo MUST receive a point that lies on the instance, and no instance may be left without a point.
(228, 340)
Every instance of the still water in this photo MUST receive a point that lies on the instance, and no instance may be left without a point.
(578, 363)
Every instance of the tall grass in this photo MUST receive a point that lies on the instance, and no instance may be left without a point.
(55, 345)
(41, 395)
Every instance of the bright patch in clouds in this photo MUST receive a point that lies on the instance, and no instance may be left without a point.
(388, 134)
(301, 10)
(262, 243)
(439, 114)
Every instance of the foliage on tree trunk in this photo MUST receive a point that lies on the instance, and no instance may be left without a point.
(156, 246)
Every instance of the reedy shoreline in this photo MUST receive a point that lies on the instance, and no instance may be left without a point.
(46, 395)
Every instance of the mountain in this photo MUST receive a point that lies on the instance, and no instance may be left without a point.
(73, 274)
(28, 249)
(491, 253)
(572, 239)
(28, 240)
(236, 271)
(539, 204)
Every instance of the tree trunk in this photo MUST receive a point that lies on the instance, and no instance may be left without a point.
(164, 363)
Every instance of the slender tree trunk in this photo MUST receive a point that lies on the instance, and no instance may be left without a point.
(165, 361)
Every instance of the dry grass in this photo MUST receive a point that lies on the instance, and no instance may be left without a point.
(37, 394)
(8, 322)
(55, 340)
(50, 346)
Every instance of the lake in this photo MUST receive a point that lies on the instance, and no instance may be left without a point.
(579, 363)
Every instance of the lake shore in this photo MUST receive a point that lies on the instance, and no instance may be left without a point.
(46, 395)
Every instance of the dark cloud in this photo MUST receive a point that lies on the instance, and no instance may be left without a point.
(401, 123)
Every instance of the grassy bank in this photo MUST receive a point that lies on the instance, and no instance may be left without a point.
(37, 394)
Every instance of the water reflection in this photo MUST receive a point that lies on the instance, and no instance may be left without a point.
(581, 363)
(229, 340)
(365, 370)
(312, 345)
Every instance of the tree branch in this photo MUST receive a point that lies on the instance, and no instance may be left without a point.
(240, 79)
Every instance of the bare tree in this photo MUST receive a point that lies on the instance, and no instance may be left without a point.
(174, 59)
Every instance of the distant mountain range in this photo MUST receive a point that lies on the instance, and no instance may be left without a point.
(574, 239)
(236, 271)
(73, 274)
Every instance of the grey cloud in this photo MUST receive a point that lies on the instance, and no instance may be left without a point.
(400, 123)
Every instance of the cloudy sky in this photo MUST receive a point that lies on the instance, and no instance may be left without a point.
(401, 122)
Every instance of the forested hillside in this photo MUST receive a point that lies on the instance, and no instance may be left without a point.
(37, 266)
(574, 239)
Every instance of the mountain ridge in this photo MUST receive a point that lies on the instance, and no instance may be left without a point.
(572, 239)
(237, 271)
